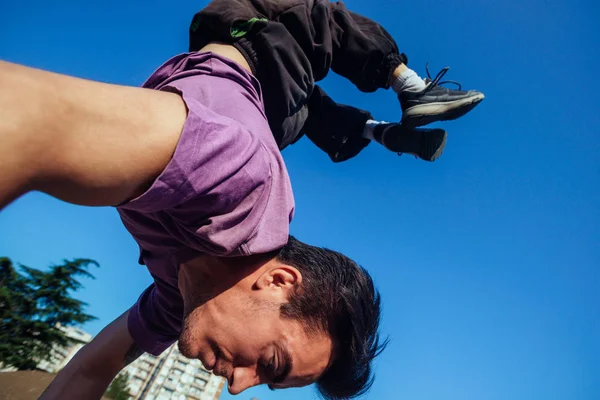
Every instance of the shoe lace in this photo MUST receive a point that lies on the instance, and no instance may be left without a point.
(438, 78)
(436, 82)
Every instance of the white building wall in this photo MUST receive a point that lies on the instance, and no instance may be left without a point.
(60, 356)
(171, 376)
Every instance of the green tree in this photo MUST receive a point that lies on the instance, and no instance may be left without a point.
(119, 388)
(34, 305)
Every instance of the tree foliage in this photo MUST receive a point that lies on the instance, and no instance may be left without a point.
(34, 304)
(119, 388)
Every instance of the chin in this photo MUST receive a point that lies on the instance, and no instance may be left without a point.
(189, 341)
(188, 347)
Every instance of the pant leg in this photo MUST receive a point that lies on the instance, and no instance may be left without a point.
(335, 128)
(291, 44)
(329, 35)
(358, 48)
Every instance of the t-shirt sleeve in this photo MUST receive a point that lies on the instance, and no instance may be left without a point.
(154, 322)
(219, 186)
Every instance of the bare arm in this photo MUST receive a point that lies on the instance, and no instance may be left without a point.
(93, 368)
(84, 142)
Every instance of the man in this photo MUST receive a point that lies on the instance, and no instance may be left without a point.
(193, 165)
(253, 304)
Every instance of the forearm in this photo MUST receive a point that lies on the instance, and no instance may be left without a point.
(75, 381)
(90, 372)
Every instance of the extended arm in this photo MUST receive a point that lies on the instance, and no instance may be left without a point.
(84, 142)
(88, 374)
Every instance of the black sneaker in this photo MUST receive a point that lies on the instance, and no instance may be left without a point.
(436, 103)
(426, 144)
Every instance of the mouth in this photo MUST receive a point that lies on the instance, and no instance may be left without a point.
(224, 374)
(218, 368)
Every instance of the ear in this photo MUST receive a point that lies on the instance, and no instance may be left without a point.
(279, 277)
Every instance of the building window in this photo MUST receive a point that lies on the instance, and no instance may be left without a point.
(200, 382)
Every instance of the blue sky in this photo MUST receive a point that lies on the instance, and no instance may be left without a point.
(488, 260)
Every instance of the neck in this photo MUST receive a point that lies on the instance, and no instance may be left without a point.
(205, 277)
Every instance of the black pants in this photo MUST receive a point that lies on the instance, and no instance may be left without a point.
(290, 45)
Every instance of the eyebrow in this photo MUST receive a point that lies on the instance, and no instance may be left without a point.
(288, 364)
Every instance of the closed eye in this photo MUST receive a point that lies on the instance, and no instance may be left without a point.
(279, 367)
(284, 366)
(269, 368)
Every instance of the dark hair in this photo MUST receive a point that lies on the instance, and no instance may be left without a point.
(336, 296)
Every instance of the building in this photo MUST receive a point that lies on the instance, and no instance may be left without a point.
(171, 376)
(60, 356)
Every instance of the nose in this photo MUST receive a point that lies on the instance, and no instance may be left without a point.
(243, 378)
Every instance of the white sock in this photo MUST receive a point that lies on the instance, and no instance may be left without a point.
(369, 131)
(408, 81)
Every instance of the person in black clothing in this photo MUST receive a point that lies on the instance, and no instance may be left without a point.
(292, 44)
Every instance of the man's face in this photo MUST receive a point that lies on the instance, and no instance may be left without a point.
(239, 333)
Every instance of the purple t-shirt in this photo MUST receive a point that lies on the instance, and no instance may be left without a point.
(225, 192)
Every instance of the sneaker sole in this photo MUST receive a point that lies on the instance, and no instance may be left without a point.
(440, 148)
(446, 111)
